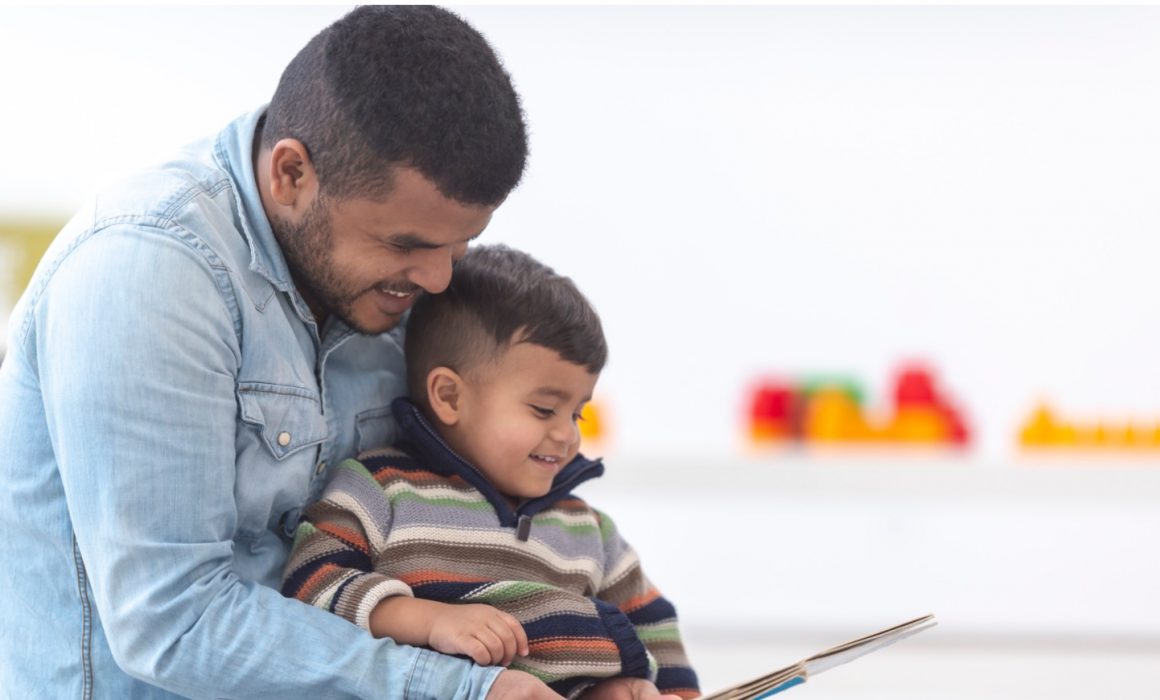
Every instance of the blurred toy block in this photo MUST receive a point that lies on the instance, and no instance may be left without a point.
(831, 410)
(832, 414)
(772, 412)
(593, 430)
(22, 244)
(1044, 429)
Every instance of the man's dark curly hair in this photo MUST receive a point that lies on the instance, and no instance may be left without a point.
(499, 297)
(414, 86)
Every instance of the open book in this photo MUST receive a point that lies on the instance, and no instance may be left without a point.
(798, 673)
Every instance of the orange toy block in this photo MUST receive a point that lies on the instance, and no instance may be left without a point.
(832, 415)
(591, 426)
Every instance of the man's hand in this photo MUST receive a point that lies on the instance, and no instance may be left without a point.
(517, 685)
(625, 689)
(489, 636)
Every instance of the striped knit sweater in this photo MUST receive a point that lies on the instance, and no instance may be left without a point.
(421, 521)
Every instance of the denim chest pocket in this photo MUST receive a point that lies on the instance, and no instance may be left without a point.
(288, 418)
(278, 448)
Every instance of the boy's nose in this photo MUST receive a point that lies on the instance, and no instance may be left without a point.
(567, 433)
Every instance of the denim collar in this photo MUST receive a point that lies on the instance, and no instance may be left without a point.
(421, 441)
(234, 151)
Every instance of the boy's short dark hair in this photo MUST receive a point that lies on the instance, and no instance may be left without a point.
(413, 86)
(495, 293)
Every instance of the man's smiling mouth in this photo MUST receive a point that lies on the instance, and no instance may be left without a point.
(395, 293)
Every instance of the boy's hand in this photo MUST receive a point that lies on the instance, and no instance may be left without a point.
(489, 636)
(625, 689)
(517, 685)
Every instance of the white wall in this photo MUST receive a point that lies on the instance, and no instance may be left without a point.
(739, 190)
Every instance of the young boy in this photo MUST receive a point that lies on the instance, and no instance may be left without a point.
(465, 536)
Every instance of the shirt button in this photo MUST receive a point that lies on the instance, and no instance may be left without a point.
(283, 438)
(320, 468)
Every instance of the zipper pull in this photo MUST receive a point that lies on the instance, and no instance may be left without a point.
(524, 528)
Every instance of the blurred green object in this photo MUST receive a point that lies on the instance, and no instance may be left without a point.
(851, 387)
(22, 243)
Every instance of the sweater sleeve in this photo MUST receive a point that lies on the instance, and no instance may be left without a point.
(626, 587)
(574, 641)
(332, 563)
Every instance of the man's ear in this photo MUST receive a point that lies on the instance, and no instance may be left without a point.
(293, 180)
(444, 393)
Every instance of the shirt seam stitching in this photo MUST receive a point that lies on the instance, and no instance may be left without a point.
(86, 623)
(418, 669)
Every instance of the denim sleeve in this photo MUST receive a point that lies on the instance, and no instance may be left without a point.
(138, 358)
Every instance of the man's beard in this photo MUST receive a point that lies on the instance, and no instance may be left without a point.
(308, 247)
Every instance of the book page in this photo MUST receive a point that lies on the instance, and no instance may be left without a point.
(782, 679)
(849, 651)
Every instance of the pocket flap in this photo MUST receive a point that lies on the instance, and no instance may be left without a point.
(289, 418)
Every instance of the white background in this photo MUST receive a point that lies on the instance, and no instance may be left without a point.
(740, 190)
(790, 190)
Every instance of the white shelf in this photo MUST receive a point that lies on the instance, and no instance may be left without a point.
(923, 667)
(1043, 547)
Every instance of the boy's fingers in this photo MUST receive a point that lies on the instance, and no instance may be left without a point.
(521, 637)
(494, 645)
(507, 638)
(478, 652)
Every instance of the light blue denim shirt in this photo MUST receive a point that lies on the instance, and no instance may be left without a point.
(167, 407)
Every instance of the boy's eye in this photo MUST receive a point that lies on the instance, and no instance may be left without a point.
(543, 412)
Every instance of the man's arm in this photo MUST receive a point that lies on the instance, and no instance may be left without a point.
(138, 363)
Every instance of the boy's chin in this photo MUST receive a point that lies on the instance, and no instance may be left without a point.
(526, 495)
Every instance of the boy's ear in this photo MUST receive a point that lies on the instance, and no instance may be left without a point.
(444, 390)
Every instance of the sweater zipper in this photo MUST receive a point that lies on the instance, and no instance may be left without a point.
(524, 520)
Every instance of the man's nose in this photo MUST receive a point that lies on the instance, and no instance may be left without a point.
(433, 274)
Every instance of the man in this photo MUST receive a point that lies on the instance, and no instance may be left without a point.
(205, 340)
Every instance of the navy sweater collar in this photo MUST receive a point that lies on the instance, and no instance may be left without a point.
(420, 440)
